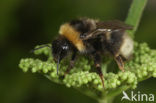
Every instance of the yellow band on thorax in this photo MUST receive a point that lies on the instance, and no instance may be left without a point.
(72, 35)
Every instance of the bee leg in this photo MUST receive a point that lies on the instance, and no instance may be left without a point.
(120, 62)
(97, 62)
(71, 65)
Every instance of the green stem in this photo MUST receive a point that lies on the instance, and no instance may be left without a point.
(134, 14)
(87, 92)
(117, 91)
(106, 100)
(109, 97)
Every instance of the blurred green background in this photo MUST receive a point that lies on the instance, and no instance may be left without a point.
(27, 23)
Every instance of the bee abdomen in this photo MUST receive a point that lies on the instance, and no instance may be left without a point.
(126, 48)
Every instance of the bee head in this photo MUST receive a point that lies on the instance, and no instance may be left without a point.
(60, 49)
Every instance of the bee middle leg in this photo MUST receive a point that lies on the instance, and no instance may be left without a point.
(97, 63)
(71, 65)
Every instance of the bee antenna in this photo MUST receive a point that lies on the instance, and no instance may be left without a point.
(46, 45)
(58, 62)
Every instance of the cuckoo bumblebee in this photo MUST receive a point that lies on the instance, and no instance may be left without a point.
(93, 38)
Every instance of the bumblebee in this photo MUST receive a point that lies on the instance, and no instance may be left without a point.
(93, 38)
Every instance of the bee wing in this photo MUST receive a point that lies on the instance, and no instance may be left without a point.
(113, 25)
(105, 27)
(93, 34)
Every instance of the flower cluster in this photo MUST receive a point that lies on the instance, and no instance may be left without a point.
(142, 66)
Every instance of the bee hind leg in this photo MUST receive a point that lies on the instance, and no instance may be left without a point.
(119, 62)
(97, 62)
(98, 67)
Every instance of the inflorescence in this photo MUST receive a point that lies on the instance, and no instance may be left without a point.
(140, 67)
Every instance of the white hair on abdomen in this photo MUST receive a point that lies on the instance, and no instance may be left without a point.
(126, 49)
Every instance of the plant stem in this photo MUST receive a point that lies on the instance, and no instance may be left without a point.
(106, 100)
(134, 15)
(117, 91)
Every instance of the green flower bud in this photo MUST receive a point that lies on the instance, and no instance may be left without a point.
(142, 65)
